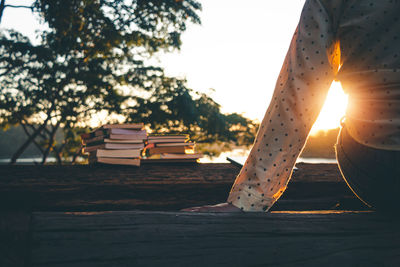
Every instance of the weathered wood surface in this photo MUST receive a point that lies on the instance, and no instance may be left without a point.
(14, 238)
(157, 187)
(138, 238)
(182, 239)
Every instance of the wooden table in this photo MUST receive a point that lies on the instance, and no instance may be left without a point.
(138, 238)
(121, 216)
(162, 187)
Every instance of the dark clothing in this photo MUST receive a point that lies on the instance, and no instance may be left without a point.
(372, 174)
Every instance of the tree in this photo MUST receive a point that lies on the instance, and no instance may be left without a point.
(94, 58)
(3, 6)
(92, 49)
(175, 108)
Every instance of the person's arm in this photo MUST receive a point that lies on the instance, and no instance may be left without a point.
(307, 73)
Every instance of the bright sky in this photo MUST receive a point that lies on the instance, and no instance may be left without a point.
(237, 51)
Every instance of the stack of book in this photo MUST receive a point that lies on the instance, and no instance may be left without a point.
(170, 148)
(115, 144)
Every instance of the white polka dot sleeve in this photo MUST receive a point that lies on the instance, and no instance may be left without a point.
(300, 91)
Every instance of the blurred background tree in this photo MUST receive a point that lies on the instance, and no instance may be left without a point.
(94, 57)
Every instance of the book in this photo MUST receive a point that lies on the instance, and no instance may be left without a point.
(138, 126)
(128, 136)
(122, 141)
(125, 143)
(169, 160)
(93, 140)
(118, 153)
(166, 140)
(125, 131)
(153, 136)
(171, 149)
(106, 140)
(118, 161)
(114, 134)
(174, 144)
(169, 137)
(123, 146)
(113, 129)
(181, 156)
(88, 149)
(113, 146)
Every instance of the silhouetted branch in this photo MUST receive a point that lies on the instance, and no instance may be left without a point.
(28, 134)
(50, 145)
(22, 148)
(77, 153)
(2, 6)
(13, 6)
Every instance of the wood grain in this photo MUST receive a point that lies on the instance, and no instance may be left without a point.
(14, 238)
(185, 239)
(146, 238)
(157, 187)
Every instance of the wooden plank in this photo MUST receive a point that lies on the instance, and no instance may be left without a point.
(87, 174)
(170, 173)
(157, 187)
(14, 238)
(193, 239)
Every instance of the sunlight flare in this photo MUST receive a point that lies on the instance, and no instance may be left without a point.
(333, 110)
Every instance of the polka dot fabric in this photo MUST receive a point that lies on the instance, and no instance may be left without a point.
(330, 34)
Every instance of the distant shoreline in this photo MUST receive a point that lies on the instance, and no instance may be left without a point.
(206, 159)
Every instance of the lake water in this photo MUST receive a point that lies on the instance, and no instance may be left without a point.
(28, 160)
(240, 156)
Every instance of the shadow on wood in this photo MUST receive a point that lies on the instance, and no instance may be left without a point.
(182, 239)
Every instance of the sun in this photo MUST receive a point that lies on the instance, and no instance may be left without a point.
(333, 110)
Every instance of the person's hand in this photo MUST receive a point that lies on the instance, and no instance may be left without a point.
(222, 207)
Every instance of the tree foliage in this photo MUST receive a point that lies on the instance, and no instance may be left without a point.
(94, 57)
(173, 107)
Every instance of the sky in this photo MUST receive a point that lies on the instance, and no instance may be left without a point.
(237, 51)
(235, 55)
